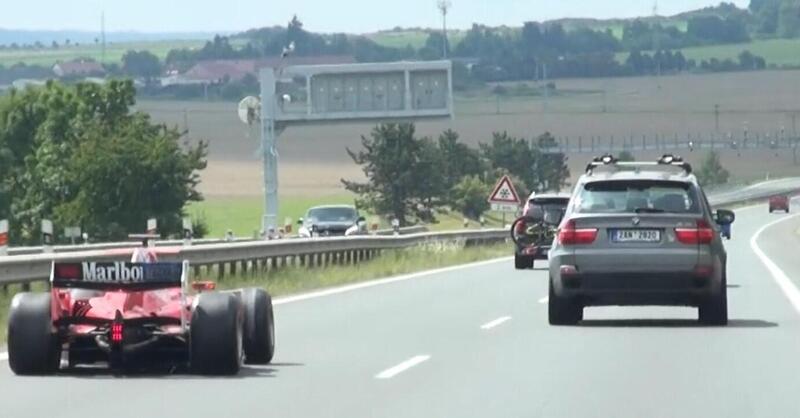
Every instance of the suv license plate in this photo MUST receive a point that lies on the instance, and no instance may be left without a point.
(635, 235)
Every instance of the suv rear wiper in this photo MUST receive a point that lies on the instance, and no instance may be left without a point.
(648, 210)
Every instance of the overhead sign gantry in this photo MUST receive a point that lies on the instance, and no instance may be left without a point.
(314, 94)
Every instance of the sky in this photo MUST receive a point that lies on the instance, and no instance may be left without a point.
(351, 16)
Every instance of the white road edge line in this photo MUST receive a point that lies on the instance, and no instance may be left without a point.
(784, 282)
(400, 368)
(544, 300)
(381, 282)
(496, 322)
(3, 356)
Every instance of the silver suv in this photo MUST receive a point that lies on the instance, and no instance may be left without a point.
(640, 233)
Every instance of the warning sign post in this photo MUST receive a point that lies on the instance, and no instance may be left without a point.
(504, 198)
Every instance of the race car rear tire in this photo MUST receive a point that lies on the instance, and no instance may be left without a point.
(714, 311)
(259, 326)
(215, 344)
(33, 348)
(562, 311)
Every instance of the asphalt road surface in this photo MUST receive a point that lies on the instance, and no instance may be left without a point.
(474, 342)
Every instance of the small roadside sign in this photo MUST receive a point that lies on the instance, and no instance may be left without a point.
(188, 231)
(3, 237)
(504, 207)
(47, 234)
(152, 226)
(73, 233)
(504, 197)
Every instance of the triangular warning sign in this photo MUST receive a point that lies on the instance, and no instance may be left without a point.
(504, 192)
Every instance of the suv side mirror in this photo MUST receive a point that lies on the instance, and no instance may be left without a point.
(725, 217)
(361, 219)
(300, 221)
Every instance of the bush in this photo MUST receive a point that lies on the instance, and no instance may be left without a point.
(711, 172)
(469, 197)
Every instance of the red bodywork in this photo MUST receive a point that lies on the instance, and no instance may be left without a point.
(115, 312)
(73, 306)
(779, 203)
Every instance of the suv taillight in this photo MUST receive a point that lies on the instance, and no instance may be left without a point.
(568, 234)
(702, 234)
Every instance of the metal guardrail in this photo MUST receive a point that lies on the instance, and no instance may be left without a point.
(250, 255)
(667, 143)
(755, 192)
(169, 243)
(230, 257)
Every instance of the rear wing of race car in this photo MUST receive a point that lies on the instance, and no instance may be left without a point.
(97, 275)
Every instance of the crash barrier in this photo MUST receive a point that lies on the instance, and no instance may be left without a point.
(252, 256)
(249, 256)
(169, 243)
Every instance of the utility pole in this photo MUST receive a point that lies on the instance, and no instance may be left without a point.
(716, 117)
(103, 36)
(657, 43)
(546, 86)
(444, 7)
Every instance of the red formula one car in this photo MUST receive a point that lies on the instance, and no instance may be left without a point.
(779, 203)
(131, 316)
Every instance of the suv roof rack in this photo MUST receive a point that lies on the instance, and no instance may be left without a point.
(667, 162)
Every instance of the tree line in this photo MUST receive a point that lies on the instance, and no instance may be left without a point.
(411, 177)
(79, 156)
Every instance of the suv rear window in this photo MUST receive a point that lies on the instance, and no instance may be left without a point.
(637, 196)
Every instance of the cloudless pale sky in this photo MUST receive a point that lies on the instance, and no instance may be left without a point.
(353, 16)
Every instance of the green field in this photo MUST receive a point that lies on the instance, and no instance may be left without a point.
(114, 52)
(242, 215)
(776, 51)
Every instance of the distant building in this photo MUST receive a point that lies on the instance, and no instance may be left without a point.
(217, 71)
(79, 68)
(22, 83)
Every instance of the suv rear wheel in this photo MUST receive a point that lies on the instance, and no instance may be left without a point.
(522, 262)
(562, 311)
(714, 311)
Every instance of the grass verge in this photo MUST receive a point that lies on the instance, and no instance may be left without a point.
(390, 263)
(293, 280)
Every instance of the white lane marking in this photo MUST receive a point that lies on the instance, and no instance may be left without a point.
(784, 282)
(400, 368)
(3, 356)
(544, 300)
(381, 282)
(496, 322)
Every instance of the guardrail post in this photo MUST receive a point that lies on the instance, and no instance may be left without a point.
(26, 287)
(233, 268)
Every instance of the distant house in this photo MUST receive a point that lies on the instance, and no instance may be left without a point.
(79, 68)
(22, 83)
(217, 71)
